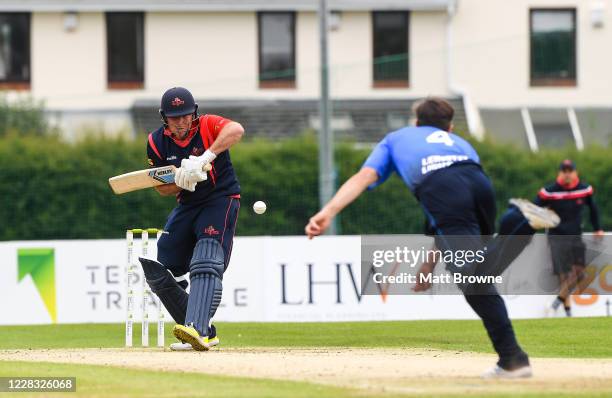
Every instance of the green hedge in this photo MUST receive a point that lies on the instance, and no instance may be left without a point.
(25, 116)
(55, 190)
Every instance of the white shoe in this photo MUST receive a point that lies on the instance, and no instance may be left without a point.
(500, 373)
(538, 217)
(181, 347)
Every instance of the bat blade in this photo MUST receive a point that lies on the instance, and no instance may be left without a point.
(142, 179)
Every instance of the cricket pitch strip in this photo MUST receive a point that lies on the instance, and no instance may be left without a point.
(399, 371)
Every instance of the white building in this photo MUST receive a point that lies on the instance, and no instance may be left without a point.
(530, 71)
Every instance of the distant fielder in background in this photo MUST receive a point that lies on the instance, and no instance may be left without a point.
(567, 197)
(200, 229)
(444, 173)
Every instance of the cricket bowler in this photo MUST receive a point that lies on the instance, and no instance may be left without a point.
(200, 229)
(567, 197)
(443, 171)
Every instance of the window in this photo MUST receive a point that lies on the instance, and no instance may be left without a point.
(125, 49)
(390, 48)
(553, 47)
(15, 50)
(276, 49)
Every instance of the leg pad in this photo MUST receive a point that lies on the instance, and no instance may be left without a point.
(206, 273)
(163, 284)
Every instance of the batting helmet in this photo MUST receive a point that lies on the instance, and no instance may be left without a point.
(177, 101)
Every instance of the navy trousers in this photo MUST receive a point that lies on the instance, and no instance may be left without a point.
(459, 203)
(189, 223)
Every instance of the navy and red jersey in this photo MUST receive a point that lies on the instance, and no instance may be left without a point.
(164, 150)
(568, 202)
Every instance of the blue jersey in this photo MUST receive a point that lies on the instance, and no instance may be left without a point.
(416, 152)
(164, 150)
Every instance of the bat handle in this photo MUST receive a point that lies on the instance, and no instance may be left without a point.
(207, 167)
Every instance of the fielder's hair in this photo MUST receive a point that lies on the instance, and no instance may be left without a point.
(434, 111)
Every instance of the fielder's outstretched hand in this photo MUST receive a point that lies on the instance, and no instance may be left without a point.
(348, 192)
(318, 224)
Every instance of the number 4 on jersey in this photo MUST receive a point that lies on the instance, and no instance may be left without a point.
(440, 137)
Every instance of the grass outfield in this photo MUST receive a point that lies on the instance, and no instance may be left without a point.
(101, 381)
(559, 337)
(563, 338)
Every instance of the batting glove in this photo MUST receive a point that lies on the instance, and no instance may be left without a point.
(183, 179)
(194, 168)
(195, 164)
(206, 157)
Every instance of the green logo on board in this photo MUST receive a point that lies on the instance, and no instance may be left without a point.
(40, 265)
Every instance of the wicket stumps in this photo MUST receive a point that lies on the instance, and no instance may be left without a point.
(130, 271)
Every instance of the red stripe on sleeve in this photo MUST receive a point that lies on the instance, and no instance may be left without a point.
(216, 123)
(153, 146)
(580, 193)
(207, 139)
(543, 194)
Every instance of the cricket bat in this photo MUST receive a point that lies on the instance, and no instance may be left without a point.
(142, 179)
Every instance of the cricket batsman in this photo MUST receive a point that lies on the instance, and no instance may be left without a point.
(200, 229)
(567, 197)
(443, 171)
